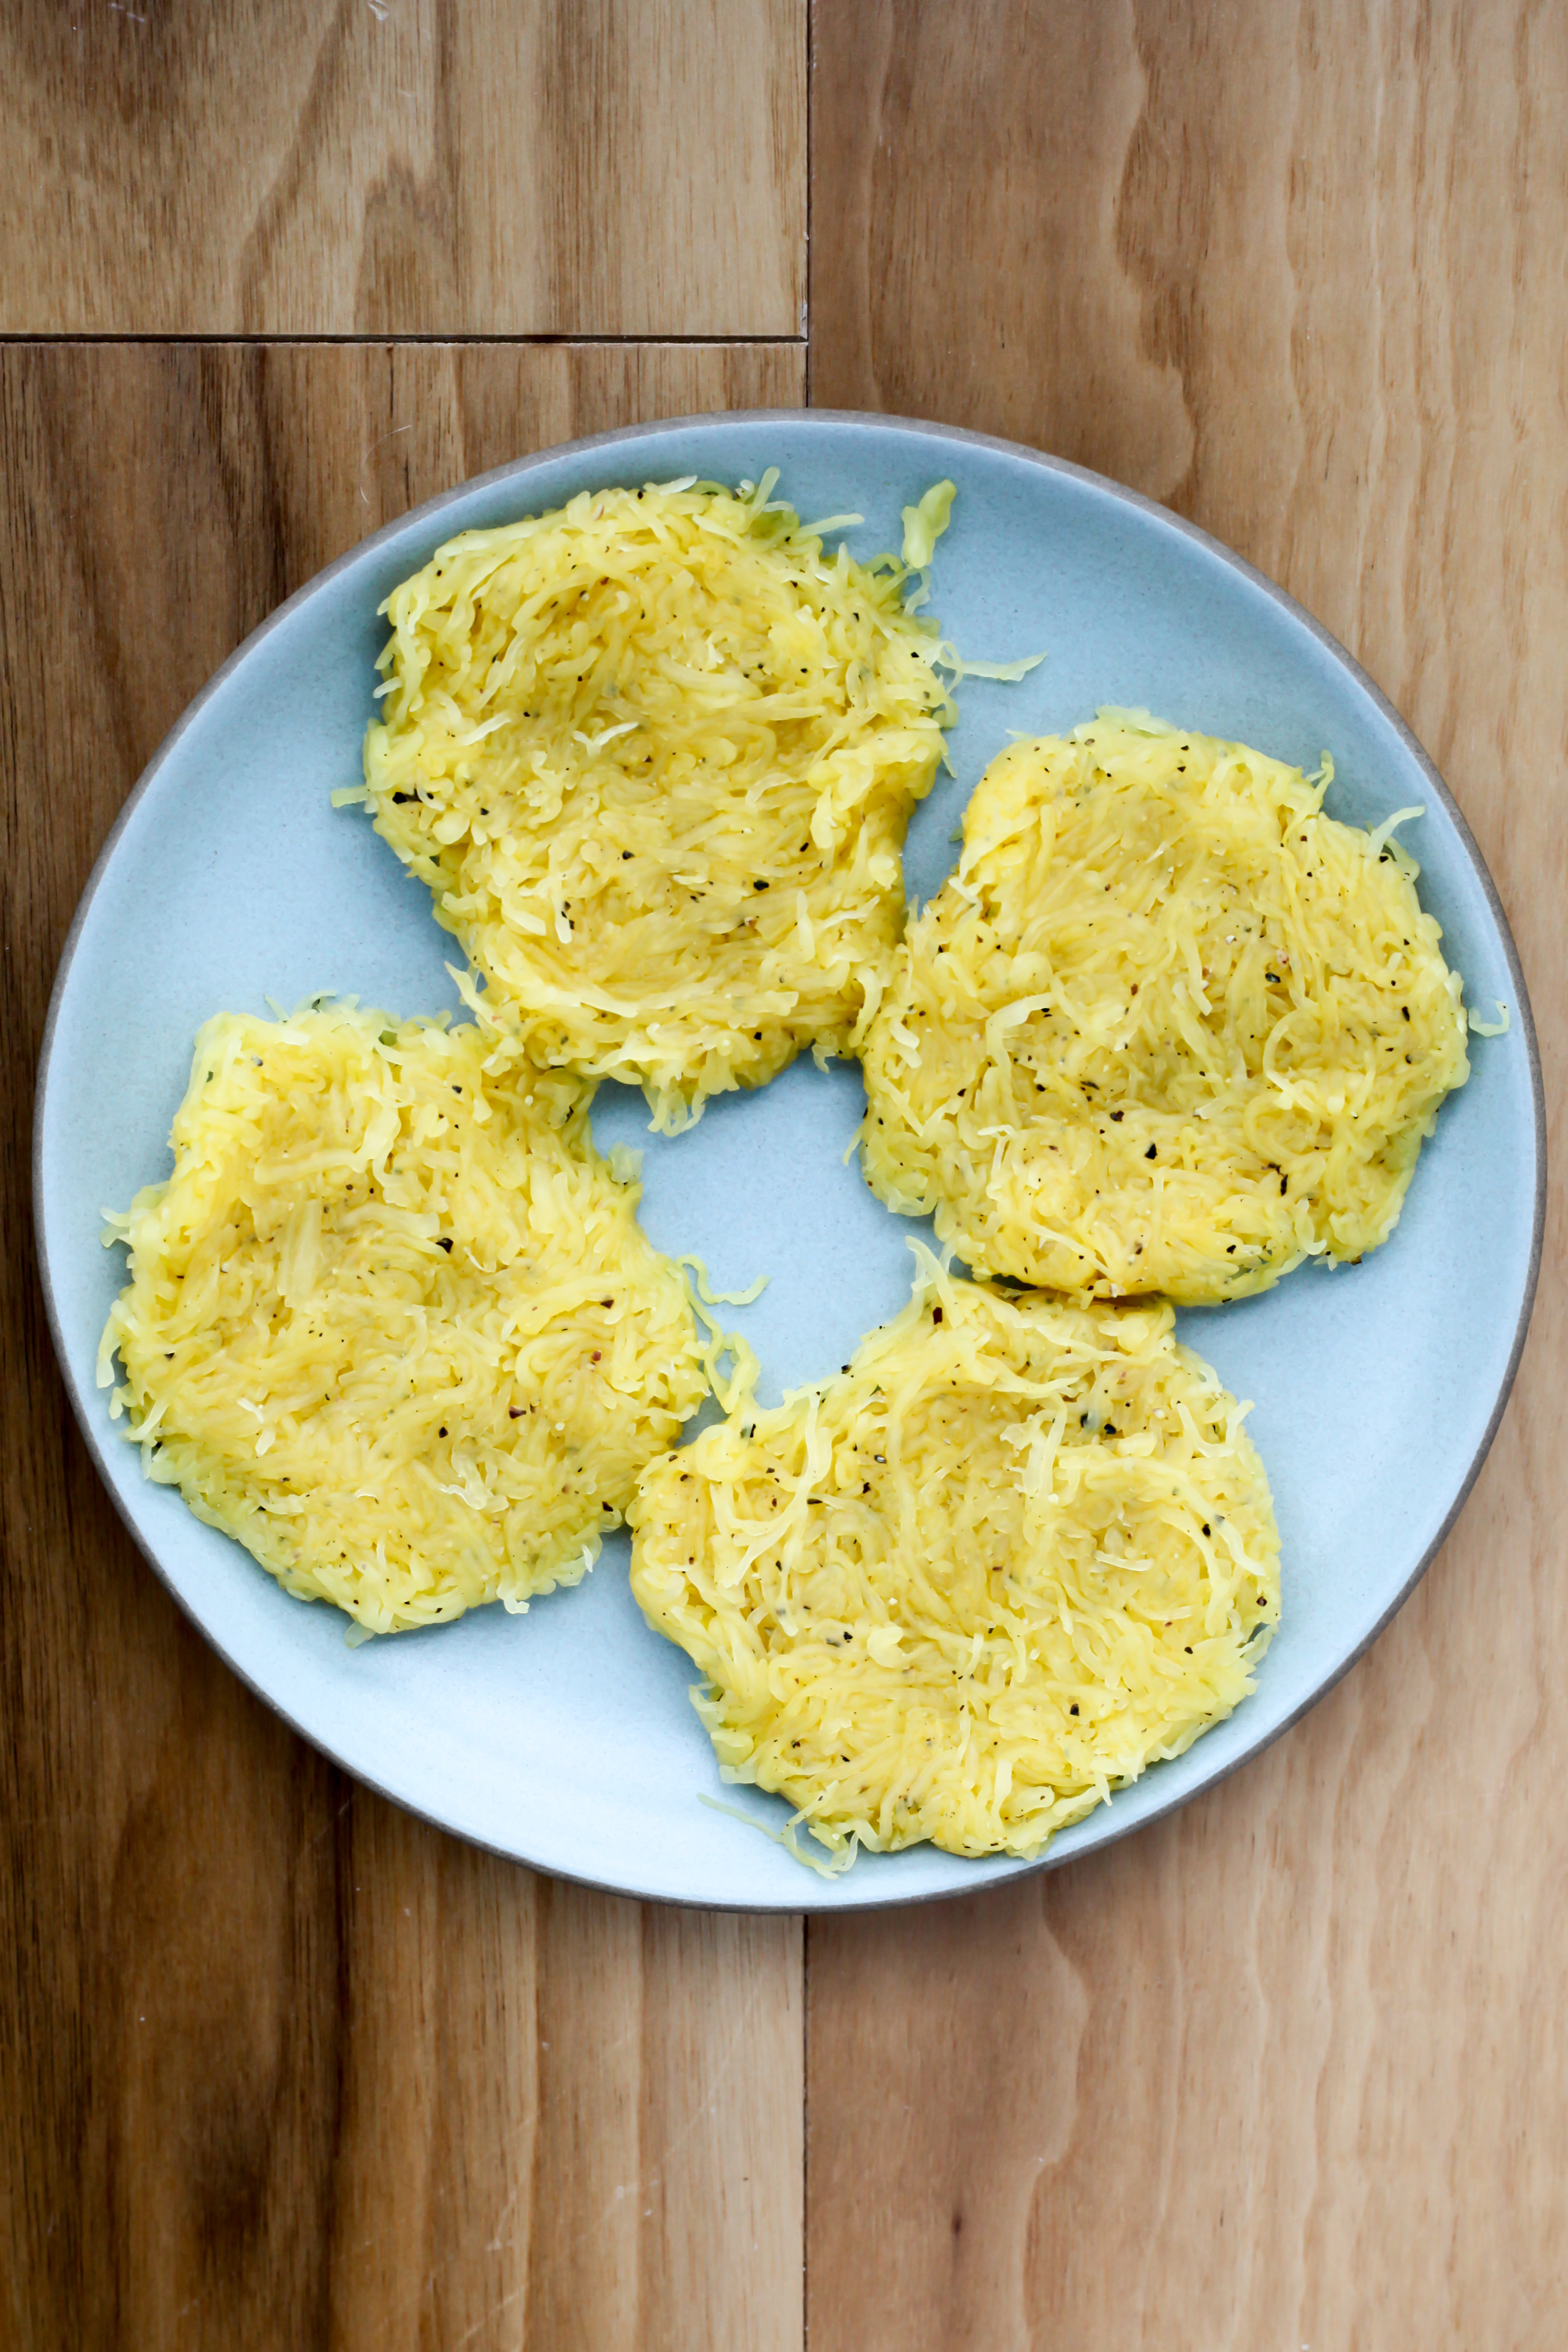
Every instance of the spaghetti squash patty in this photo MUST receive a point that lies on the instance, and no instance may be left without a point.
(1015, 1553)
(392, 1321)
(1168, 1028)
(654, 755)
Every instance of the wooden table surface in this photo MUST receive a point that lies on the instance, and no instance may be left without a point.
(278, 2065)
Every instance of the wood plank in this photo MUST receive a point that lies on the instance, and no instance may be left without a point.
(507, 167)
(281, 2065)
(1288, 2070)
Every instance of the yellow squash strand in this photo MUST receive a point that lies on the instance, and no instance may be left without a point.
(654, 755)
(1168, 1028)
(1015, 1553)
(392, 1321)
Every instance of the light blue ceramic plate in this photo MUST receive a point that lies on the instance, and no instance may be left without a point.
(565, 1737)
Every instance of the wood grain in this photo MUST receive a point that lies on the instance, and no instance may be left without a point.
(280, 2065)
(1290, 2069)
(497, 167)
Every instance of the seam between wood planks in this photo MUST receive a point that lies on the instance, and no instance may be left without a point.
(717, 342)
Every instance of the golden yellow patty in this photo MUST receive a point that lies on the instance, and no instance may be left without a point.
(392, 1321)
(1016, 1552)
(1168, 1028)
(654, 755)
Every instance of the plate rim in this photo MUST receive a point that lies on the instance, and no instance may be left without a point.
(518, 468)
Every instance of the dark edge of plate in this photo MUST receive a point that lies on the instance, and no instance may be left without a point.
(517, 469)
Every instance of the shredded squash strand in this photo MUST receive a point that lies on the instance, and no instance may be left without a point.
(654, 754)
(1168, 1028)
(1015, 1553)
(392, 1321)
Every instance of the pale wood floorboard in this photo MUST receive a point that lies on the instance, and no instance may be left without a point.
(1290, 2069)
(497, 167)
(282, 2065)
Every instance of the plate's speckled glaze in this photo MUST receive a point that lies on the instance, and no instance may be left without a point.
(564, 1737)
